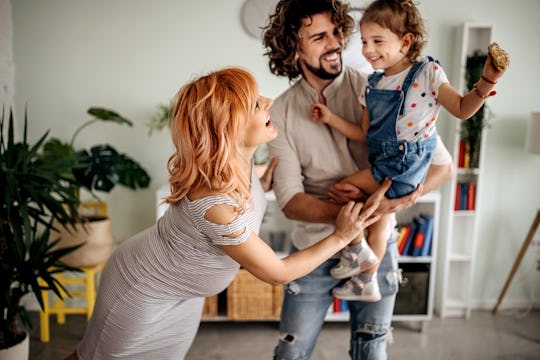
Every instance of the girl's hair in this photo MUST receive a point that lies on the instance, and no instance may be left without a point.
(400, 17)
(207, 123)
(280, 36)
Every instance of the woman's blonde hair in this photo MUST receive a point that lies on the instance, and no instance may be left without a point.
(207, 123)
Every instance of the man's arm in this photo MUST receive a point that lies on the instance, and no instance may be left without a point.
(308, 208)
(436, 176)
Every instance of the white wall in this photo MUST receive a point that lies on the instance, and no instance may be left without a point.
(7, 71)
(131, 55)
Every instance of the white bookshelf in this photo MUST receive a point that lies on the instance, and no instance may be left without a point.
(428, 204)
(458, 255)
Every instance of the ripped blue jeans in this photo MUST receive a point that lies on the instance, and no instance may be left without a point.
(306, 302)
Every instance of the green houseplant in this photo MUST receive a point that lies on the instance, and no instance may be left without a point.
(97, 169)
(33, 194)
(101, 167)
(471, 130)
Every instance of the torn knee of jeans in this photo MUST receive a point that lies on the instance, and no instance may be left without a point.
(286, 337)
(393, 277)
(293, 288)
(371, 331)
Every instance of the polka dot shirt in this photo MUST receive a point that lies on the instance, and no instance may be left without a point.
(421, 106)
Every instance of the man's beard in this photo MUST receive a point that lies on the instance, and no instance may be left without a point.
(322, 73)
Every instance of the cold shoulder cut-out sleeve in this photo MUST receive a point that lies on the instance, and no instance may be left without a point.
(220, 234)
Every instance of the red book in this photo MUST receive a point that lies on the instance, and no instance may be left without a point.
(403, 236)
(472, 196)
(457, 197)
(461, 152)
(337, 305)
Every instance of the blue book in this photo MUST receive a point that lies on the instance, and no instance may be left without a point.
(420, 236)
(464, 194)
(426, 249)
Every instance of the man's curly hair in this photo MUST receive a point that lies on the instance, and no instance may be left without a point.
(281, 38)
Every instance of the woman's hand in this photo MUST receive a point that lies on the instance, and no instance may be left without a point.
(266, 178)
(353, 218)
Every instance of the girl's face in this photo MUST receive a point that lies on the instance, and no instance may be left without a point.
(259, 128)
(383, 49)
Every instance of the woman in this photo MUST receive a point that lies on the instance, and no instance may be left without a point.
(152, 289)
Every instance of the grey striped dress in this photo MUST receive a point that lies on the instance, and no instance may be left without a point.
(152, 289)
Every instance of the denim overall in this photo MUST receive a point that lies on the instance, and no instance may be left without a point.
(406, 163)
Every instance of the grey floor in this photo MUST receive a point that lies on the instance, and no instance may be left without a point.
(508, 335)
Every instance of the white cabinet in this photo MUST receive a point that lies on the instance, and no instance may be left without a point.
(461, 207)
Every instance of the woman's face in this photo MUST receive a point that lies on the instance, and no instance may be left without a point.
(259, 128)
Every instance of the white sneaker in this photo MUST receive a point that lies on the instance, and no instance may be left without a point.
(355, 289)
(354, 262)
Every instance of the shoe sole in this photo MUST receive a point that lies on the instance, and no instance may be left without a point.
(366, 265)
(358, 298)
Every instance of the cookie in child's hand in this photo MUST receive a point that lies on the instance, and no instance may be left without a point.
(498, 56)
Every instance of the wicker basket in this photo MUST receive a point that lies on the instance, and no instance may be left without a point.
(210, 308)
(249, 298)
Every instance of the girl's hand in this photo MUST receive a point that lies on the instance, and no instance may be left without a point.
(321, 113)
(491, 72)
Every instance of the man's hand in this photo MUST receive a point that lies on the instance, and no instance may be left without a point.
(389, 206)
(266, 178)
(342, 193)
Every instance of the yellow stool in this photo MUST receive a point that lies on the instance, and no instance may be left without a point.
(59, 308)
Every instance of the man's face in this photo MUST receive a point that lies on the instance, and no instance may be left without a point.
(320, 47)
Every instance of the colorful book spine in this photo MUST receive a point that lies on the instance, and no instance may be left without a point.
(471, 196)
(428, 236)
(457, 197)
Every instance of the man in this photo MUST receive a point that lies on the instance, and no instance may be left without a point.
(304, 41)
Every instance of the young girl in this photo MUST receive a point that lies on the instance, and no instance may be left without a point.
(403, 103)
(152, 289)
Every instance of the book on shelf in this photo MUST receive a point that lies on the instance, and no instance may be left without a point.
(336, 305)
(339, 305)
(409, 240)
(467, 155)
(415, 237)
(421, 242)
(426, 248)
(471, 195)
(465, 196)
(461, 153)
(457, 196)
(404, 231)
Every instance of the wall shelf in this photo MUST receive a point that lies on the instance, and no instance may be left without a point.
(461, 212)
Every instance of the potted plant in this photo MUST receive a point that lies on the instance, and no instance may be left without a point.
(99, 168)
(471, 130)
(33, 194)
